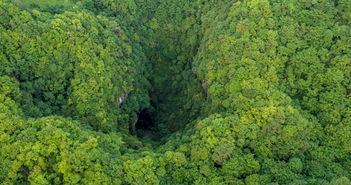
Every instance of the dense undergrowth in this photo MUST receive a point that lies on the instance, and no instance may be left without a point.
(175, 92)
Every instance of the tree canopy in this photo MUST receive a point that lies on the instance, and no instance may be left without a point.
(175, 92)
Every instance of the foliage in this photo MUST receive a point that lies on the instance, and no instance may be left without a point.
(235, 92)
(61, 61)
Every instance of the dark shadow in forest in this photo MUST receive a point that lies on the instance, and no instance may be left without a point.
(144, 121)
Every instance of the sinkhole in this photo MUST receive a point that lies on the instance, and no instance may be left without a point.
(145, 126)
(144, 121)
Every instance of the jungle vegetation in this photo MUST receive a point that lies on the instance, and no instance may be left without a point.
(175, 92)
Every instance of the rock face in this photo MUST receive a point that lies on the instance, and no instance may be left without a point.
(122, 98)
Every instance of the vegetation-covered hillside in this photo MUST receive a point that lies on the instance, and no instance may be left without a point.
(175, 92)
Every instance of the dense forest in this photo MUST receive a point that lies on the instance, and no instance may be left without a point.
(175, 92)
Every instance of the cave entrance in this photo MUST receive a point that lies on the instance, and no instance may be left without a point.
(144, 121)
(145, 125)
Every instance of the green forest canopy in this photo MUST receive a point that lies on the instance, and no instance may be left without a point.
(175, 92)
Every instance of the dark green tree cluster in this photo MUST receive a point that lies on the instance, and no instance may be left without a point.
(73, 64)
(175, 92)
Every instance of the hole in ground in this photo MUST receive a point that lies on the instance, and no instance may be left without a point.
(148, 129)
(145, 127)
(144, 121)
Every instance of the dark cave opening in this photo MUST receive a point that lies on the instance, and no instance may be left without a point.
(148, 128)
(144, 121)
